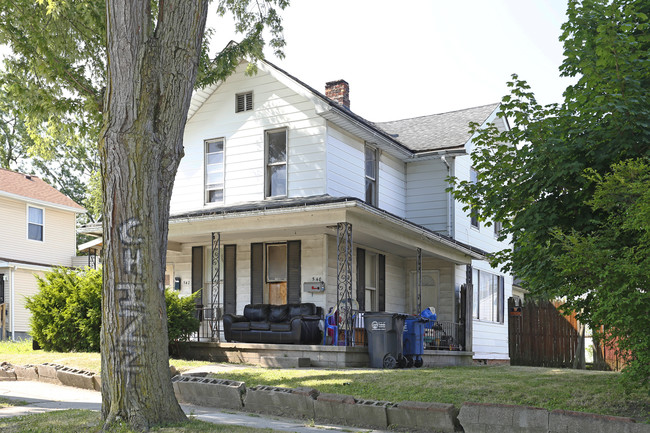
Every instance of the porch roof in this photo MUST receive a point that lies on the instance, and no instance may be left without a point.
(290, 217)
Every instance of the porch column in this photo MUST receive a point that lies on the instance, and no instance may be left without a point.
(215, 274)
(469, 308)
(344, 277)
(418, 279)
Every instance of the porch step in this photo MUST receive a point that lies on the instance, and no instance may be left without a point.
(284, 362)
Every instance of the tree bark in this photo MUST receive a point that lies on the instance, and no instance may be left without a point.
(152, 65)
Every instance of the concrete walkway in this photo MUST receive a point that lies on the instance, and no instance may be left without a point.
(44, 397)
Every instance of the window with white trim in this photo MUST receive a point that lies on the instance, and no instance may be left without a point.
(276, 163)
(371, 175)
(243, 102)
(473, 217)
(488, 296)
(35, 223)
(372, 277)
(214, 169)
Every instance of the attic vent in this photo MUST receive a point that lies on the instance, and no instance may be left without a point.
(243, 102)
(28, 177)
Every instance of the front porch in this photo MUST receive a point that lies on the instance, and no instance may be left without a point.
(318, 355)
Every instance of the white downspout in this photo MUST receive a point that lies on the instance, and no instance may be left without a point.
(13, 302)
(449, 200)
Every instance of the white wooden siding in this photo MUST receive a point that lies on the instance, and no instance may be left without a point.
(426, 198)
(25, 284)
(392, 185)
(275, 106)
(345, 164)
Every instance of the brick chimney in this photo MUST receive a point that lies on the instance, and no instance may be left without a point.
(339, 91)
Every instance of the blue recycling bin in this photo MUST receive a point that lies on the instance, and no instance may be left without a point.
(413, 336)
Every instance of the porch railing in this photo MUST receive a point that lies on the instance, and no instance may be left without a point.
(444, 335)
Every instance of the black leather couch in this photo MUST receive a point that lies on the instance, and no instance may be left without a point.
(279, 324)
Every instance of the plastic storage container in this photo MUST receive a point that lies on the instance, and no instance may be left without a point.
(385, 341)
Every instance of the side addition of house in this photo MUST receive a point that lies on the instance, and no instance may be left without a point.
(37, 232)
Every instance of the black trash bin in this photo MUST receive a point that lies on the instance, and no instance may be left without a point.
(385, 339)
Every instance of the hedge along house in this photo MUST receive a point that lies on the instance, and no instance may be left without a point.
(285, 195)
(37, 232)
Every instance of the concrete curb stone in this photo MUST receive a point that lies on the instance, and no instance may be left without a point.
(281, 401)
(344, 409)
(47, 372)
(7, 372)
(26, 372)
(228, 394)
(422, 416)
(565, 421)
(76, 378)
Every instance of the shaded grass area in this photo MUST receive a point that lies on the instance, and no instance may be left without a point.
(76, 421)
(21, 353)
(7, 402)
(549, 388)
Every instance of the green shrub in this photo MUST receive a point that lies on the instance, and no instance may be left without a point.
(181, 315)
(66, 313)
(67, 310)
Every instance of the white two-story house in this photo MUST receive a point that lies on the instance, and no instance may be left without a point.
(37, 232)
(286, 195)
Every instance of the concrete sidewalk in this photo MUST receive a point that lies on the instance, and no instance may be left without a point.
(44, 397)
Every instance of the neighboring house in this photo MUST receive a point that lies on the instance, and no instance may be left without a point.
(37, 232)
(285, 195)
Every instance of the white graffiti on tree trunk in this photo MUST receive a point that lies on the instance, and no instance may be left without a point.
(130, 298)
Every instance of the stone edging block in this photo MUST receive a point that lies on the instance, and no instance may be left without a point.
(47, 373)
(7, 372)
(221, 393)
(26, 372)
(77, 378)
(565, 421)
(344, 409)
(281, 401)
(422, 416)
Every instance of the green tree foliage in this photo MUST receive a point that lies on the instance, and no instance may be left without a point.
(66, 312)
(607, 271)
(531, 176)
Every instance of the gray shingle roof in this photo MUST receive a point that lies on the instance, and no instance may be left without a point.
(437, 131)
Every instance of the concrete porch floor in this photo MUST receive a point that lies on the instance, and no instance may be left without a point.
(318, 355)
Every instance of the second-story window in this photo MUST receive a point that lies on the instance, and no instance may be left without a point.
(371, 175)
(473, 217)
(34, 223)
(214, 170)
(276, 163)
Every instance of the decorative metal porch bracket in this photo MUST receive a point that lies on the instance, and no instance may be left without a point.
(215, 274)
(344, 278)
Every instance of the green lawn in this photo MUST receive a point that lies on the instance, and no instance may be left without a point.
(584, 391)
(549, 388)
(75, 421)
(21, 353)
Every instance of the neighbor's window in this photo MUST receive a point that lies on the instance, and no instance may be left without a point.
(214, 170)
(371, 175)
(276, 163)
(473, 178)
(488, 296)
(276, 262)
(371, 301)
(34, 223)
(497, 228)
(243, 102)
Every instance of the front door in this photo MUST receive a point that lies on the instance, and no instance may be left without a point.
(276, 273)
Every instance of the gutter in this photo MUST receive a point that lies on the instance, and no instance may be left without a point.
(13, 302)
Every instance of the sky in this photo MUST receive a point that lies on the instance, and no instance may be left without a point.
(413, 58)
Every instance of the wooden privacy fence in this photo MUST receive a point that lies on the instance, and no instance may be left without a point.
(539, 335)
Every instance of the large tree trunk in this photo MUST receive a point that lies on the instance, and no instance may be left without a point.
(152, 64)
